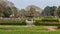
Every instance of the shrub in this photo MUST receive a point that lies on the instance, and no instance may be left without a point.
(47, 21)
(12, 22)
(50, 20)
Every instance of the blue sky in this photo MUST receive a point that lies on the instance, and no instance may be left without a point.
(40, 3)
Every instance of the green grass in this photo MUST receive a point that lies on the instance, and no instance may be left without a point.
(26, 30)
(21, 27)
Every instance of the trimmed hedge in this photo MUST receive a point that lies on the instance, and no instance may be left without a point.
(50, 20)
(12, 22)
(47, 21)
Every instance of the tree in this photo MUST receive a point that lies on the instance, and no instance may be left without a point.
(14, 11)
(33, 10)
(53, 9)
(45, 11)
(2, 9)
(7, 9)
(7, 12)
(49, 11)
(22, 13)
(58, 11)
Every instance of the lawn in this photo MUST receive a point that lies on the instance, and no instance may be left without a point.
(25, 30)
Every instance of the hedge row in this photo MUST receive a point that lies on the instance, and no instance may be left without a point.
(12, 22)
(47, 21)
(50, 20)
